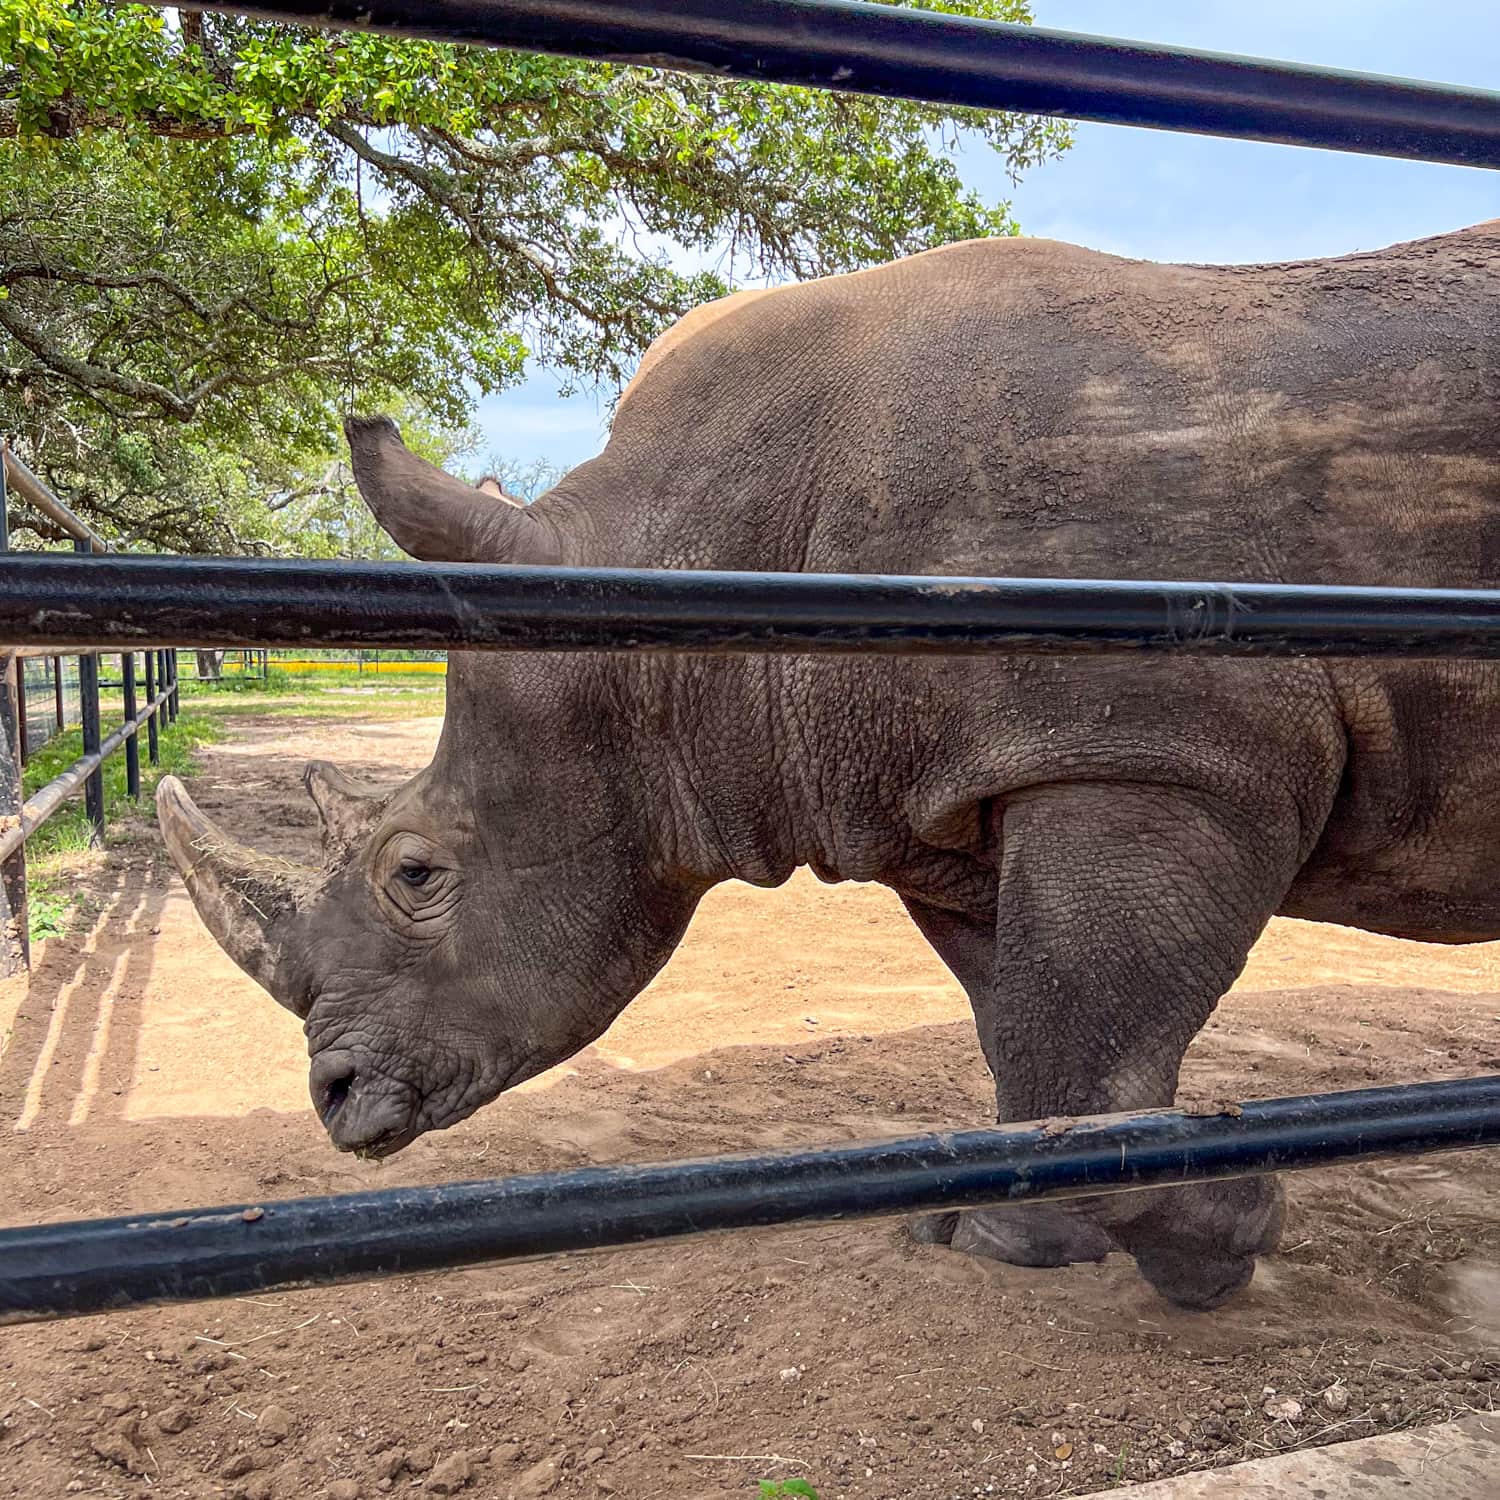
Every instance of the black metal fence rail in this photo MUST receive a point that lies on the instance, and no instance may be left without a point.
(944, 59)
(125, 604)
(63, 1270)
(19, 817)
(51, 602)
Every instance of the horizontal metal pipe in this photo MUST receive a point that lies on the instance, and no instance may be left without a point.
(44, 502)
(130, 602)
(956, 60)
(60, 1270)
(46, 800)
(29, 651)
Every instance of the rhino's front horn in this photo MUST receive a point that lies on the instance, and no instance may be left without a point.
(246, 900)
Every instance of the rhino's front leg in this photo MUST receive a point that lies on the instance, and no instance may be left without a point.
(1124, 913)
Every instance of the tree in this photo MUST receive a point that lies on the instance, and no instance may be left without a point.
(216, 234)
(522, 481)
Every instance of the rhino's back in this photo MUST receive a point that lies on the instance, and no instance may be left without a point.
(1026, 407)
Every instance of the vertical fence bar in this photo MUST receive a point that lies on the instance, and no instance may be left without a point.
(93, 788)
(172, 683)
(59, 706)
(153, 744)
(15, 939)
(88, 696)
(15, 936)
(133, 743)
(23, 734)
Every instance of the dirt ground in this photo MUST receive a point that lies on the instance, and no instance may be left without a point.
(142, 1071)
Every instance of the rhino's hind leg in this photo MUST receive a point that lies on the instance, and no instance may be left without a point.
(1124, 913)
(1039, 1237)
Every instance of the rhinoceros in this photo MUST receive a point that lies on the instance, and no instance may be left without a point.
(1091, 844)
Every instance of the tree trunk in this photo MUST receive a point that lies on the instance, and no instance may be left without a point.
(210, 665)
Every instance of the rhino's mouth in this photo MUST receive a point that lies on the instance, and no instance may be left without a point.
(374, 1115)
(364, 1111)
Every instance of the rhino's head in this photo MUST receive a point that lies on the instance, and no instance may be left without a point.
(488, 918)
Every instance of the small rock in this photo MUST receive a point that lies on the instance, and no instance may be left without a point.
(592, 1456)
(1063, 1451)
(791, 1373)
(1283, 1410)
(977, 1424)
(450, 1476)
(275, 1424)
(390, 1463)
(117, 1403)
(518, 1360)
(420, 1460)
(476, 1357)
(1176, 1449)
(343, 1489)
(118, 1449)
(1336, 1398)
(174, 1418)
(237, 1466)
(540, 1479)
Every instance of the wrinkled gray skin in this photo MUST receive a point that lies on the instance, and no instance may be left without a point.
(1091, 844)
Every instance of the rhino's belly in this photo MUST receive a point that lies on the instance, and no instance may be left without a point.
(1438, 885)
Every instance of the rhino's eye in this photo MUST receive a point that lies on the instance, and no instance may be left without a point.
(417, 884)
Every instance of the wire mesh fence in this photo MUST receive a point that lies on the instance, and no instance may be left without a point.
(53, 701)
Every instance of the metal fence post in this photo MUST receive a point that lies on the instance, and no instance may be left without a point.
(15, 934)
(88, 696)
(133, 744)
(15, 939)
(153, 745)
(57, 694)
(172, 680)
(23, 735)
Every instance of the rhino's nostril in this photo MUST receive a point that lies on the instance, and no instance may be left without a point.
(335, 1093)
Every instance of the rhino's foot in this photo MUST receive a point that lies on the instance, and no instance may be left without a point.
(1039, 1237)
(1197, 1245)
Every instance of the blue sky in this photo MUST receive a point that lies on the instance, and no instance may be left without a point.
(1165, 196)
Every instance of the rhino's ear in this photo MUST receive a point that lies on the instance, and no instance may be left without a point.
(348, 809)
(489, 485)
(434, 516)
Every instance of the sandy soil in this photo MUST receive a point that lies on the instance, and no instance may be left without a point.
(143, 1071)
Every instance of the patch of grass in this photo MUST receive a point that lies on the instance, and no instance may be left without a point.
(424, 698)
(774, 1487)
(53, 852)
(275, 681)
(48, 906)
(312, 684)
